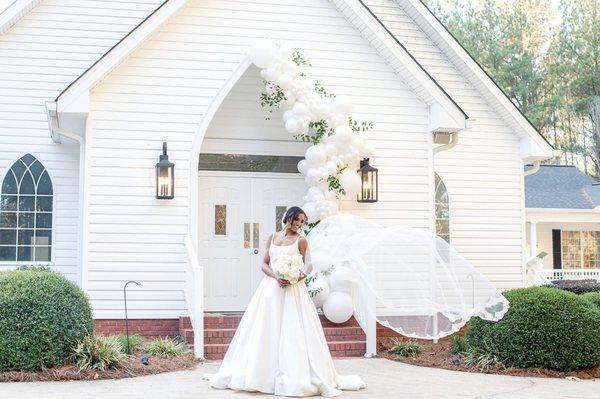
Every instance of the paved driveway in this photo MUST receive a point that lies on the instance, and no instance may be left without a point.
(385, 379)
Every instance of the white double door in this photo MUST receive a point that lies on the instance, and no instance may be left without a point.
(237, 212)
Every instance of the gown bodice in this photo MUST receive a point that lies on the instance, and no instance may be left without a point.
(278, 250)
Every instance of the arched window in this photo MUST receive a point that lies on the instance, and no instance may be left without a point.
(442, 209)
(26, 212)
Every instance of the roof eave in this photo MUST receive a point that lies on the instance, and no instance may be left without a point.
(13, 13)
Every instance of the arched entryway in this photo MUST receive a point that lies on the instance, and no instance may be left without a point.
(245, 179)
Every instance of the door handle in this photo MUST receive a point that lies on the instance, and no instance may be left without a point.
(256, 252)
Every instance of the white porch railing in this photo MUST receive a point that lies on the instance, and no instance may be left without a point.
(194, 296)
(571, 274)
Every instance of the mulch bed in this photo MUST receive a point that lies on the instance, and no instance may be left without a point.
(438, 355)
(158, 364)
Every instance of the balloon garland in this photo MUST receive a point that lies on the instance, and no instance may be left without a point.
(330, 164)
(312, 114)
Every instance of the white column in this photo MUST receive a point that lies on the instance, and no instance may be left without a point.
(533, 238)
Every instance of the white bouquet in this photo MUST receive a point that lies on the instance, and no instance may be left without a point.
(288, 267)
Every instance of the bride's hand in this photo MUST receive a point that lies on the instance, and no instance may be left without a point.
(283, 282)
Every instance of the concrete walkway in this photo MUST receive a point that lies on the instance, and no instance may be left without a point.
(385, 379)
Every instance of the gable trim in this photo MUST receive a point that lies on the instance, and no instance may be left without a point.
(75, 98)
(77, 93)
(479, 73)
(14, 12)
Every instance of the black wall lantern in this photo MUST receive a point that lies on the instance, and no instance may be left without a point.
(165, 176)
(369, 191)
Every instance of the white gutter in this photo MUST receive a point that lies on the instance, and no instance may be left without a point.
(57, 133)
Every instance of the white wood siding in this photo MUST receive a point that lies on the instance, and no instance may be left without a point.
(39, 56)
(161, 92)
(483, 173)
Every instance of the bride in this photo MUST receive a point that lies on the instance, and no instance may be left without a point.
(279, 347)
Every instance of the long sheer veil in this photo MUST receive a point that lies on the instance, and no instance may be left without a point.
(422, 288)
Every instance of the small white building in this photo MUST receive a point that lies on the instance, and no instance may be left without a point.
(563, 219)
(89, 91)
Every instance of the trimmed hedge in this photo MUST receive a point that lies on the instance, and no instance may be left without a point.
(42, 316)
(593, 297)
(577, 286)
(544, 327)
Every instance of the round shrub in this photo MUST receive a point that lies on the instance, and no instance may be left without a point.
(42, 316)
(593, 297)
(544, 327)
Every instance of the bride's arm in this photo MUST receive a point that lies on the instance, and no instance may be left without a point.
(303, 248)
(266, 268)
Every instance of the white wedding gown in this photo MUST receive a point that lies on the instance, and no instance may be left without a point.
(279, 347)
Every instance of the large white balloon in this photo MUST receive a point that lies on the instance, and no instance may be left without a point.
(292, 125)
(342, 137)
(300, 109)
(351, 182)
(287, 115)
(338, 307)
(320, 285)
(315, 155)
(302, 167)
(343, 105)
(312, 177)
(341, 279)
(263, 53)
(285, 82)
(314, 192)
(310, 210)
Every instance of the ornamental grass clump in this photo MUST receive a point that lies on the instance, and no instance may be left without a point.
(406, 348)
(94, 352)
(42, 317)
(544, 327)
(167, 347)
(458, 344)
(136, 342)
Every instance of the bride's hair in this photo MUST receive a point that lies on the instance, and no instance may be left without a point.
(293, 213)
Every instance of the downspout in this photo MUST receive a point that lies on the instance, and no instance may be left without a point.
(453, 142)
(535, 169)
(56, 133)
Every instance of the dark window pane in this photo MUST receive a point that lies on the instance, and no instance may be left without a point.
(43, 220)
(8, 253)
(36, 169)
(25, 237)
(27, 186)
(43, 237)
(8, 203)
(8, 219)
(8, 237)
(19, 170)
(249, 163)
(42, 254)
(26, 203)
(43, 204)
(26, 220)
(24, 254)
(45, 185)
(27, 159)
(9, 186)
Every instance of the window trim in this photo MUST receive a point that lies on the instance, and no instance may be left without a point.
(581, 251)
(52, 261)
(435, 204)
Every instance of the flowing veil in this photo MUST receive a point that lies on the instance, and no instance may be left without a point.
(411, 280)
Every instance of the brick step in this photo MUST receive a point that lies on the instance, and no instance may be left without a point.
(225, 335)
(232, 321)
(336, 348)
